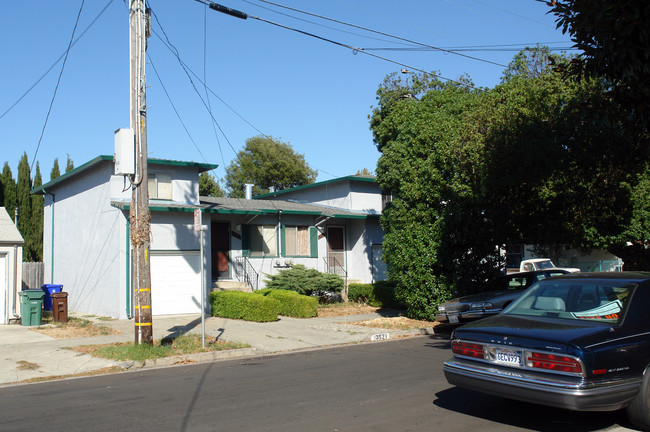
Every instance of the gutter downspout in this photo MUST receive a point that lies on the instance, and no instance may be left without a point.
(52, 240)
(14, 311)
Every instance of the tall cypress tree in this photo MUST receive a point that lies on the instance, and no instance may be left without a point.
(69, 165)
(36, 246)
(9, 190)
(23, 186)
(55, 170)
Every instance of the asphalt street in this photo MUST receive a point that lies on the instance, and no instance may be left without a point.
(386, 386)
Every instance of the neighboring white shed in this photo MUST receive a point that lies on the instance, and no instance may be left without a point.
(11, 267)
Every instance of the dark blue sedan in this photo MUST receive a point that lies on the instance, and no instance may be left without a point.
(579, 342)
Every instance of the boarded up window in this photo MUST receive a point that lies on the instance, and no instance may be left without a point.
(297, 241)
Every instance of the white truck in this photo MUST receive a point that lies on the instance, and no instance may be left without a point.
(542, 264)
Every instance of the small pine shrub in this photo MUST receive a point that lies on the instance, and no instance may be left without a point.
(292, 304)
(244, 306)
(305, 281)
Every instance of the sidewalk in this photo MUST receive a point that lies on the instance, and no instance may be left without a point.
(49, 357)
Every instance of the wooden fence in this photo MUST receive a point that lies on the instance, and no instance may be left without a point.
(33, 275)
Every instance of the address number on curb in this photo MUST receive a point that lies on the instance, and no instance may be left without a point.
(380, 336)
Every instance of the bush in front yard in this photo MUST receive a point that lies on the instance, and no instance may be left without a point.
(292, 304)
(379, 294)
(245, 306)
(305, 281)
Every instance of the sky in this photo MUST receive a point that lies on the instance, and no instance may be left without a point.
(251, 76)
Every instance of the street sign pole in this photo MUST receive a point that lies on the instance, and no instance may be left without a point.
(198, 226)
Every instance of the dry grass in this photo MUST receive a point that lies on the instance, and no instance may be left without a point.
(74, 328)
(26, 365)
(345, 309)
(396, 323)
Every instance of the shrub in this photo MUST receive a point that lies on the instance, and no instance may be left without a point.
(379, 294)
(305, 281)
(291, 303)
(245, 306)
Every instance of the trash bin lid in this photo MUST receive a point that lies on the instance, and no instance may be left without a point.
(59, 295)
(33, 294)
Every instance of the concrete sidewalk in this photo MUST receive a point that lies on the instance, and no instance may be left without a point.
(49, 356)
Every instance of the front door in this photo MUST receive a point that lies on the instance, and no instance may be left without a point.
(220, 248)
(336, 250)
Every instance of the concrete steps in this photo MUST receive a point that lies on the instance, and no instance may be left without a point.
(230, 286)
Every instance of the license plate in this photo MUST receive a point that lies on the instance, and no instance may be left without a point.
(453, 319)
(507, 357)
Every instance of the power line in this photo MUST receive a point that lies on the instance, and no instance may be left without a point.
(379, 32)
(47, 117)
(57, 60)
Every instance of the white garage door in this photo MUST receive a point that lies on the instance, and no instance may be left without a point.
(175, 283)
(4, 288)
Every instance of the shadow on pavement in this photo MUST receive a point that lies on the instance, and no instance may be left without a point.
(525, 415)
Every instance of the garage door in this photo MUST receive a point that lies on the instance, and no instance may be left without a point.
(175, 283)
(4, 288)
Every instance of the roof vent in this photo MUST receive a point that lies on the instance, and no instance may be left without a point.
(249, 190)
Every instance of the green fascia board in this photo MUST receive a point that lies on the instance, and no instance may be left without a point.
(312, 185)
(41, 189)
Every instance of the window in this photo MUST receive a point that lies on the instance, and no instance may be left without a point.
(296, 241)
(160, 186)
(263, 241)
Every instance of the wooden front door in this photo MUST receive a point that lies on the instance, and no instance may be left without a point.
(220, 248)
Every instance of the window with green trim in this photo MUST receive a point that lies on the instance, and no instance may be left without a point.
(296, 241)
(263, 241)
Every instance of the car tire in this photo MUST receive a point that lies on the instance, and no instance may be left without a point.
(638, 412)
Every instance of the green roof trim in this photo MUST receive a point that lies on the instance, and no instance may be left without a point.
(41, 190)
(322, 183)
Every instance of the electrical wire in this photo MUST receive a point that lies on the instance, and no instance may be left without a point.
(57, 60)
(56, 89)
(379, 32)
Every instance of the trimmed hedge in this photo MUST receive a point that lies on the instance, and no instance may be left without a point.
(379, 294)
(244, 306)
(292, 304)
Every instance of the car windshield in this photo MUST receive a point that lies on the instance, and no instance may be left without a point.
(543, 265)
(591, 300)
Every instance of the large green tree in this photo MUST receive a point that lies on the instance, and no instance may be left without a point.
(23, 187)
(36, 234)
(267, 163)
(9, 190)
(614, 39)
(209, 187)
(530, 161)
(56, 171)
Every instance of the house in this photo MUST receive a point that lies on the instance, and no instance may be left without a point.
(87, 232)
(11, 267)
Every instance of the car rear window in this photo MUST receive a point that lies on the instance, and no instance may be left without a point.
(590, 300)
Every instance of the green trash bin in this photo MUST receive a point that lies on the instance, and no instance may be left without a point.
(31, 305)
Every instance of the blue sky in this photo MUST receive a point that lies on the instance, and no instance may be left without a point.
(312, 94)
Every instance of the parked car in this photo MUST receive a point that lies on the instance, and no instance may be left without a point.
(498, 293)
(579, 341)
(543, 264)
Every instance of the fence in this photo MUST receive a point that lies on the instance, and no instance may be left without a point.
(33, 275)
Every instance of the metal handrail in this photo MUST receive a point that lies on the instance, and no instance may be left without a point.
(247, 273)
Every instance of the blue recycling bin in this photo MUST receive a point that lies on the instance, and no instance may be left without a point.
(49, 290)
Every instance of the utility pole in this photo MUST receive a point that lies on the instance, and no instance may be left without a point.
(140, 217)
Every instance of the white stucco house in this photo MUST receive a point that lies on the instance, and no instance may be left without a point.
(87, 248)
(11, 267)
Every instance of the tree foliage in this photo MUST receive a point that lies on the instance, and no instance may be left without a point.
(267, 163)
(209, 187)
(56, 171)
(9, 190)
(614, 37)
(531, 161)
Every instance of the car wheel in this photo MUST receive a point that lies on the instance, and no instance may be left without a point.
(639, 410)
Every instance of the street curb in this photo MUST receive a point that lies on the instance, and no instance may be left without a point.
(204, 357)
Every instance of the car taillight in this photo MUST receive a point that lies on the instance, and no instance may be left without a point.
(468, 349)
(554, 362)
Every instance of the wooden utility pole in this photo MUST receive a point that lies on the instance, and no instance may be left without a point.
(140, 217)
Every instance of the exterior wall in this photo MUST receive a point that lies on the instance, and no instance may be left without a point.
(89, 243)
(12, 281)
(365, 196)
